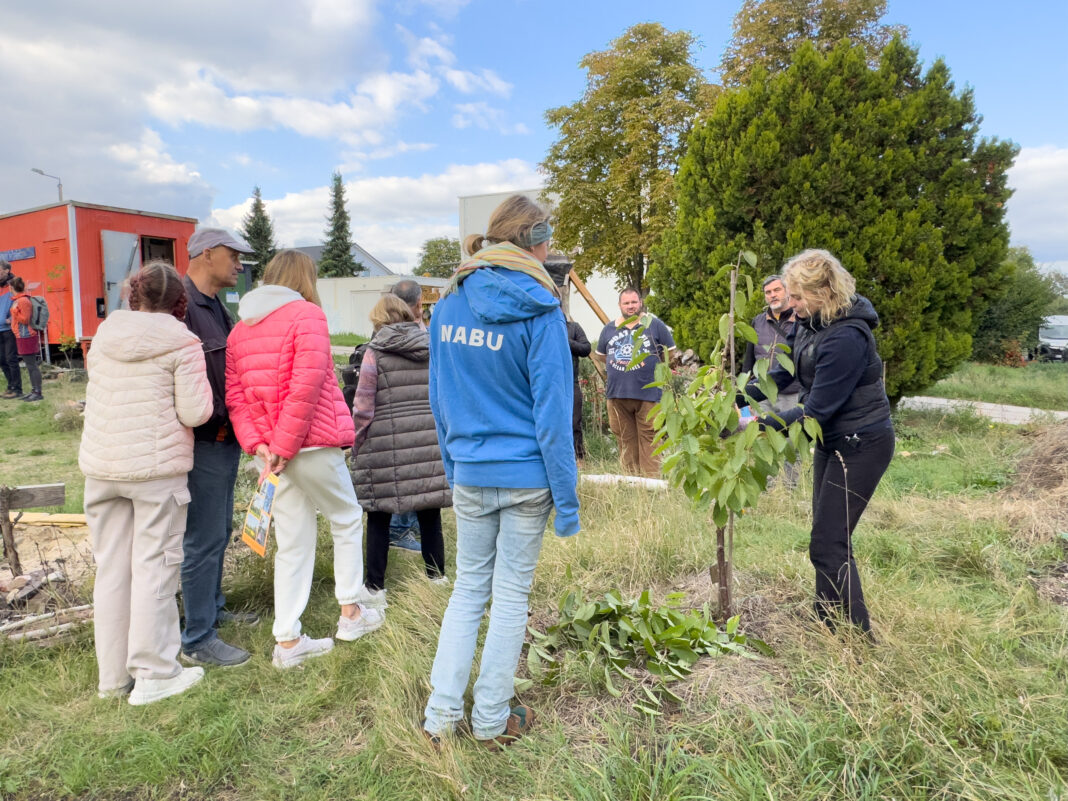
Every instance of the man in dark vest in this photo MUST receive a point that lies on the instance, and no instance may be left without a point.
(775, 326)
(213, 266)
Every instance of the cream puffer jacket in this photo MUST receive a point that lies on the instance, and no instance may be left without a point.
(148, 387)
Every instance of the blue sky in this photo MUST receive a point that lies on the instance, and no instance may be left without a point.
(183, 110)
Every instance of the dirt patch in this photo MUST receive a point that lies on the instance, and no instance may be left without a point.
(64, 548)
(1054, 586)
(1036, 505)
(1044, 468)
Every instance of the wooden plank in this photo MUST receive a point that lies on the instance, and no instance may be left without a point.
(581, 287)
(35, 496)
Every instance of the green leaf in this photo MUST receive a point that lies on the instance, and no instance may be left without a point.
(750, 259)
(732, 625)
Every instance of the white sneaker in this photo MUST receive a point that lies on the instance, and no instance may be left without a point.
(441, 581)
(374, 599)
(147, 691)
(306, 648)
(368, 621)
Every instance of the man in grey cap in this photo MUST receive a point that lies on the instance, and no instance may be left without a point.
(213, 266)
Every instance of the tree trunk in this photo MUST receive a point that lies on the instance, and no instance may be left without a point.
(723, 571)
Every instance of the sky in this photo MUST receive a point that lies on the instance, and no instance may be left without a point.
(184, 109)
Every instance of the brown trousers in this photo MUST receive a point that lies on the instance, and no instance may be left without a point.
(627, 419)
(137, 529)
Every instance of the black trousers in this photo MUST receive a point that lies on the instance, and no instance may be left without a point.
(378, 545)
(845, 473)
(9, 361)
(576, 424)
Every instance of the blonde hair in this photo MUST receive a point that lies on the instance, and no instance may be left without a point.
(293, 269)
(822, 281)
(512, 222)
(391, 309)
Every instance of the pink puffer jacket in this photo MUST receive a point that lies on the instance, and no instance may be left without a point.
(280, 384)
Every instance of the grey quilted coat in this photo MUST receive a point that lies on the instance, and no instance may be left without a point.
(397, 467)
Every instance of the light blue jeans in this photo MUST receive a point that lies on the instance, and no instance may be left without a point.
(498, 540)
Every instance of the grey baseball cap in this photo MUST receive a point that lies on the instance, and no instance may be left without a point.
(213, 237)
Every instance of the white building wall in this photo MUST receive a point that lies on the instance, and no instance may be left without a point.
(347, 302)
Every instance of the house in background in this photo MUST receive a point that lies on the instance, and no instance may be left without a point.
(371, 266)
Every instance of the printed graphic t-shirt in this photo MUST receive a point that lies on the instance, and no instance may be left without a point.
(618, 346)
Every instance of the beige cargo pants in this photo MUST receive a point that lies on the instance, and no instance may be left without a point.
(137, 529)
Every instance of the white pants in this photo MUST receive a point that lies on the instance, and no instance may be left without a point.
(315, 478)
(137, 529)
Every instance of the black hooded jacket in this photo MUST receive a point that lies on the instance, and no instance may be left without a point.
(840, 372)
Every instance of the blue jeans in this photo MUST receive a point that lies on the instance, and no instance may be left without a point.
(398, 524)
(207, 531)
(498, 539)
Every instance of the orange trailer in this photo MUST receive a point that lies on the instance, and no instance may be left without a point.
(77, 255)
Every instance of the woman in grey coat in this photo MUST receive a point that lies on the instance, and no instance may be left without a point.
(397, 465)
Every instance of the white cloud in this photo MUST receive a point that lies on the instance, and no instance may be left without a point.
(152, 163)
(1038, 211)
(484, 116)
(391, 215)
(484, 81)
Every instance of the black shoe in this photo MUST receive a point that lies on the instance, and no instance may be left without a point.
(242, 618)
(33, 397)
(216, 653)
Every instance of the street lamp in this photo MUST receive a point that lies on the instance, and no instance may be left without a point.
(46, 175)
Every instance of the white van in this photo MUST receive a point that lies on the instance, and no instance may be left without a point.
(1053, 339)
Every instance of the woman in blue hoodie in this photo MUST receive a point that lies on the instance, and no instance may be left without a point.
(501, 393)
(841, 375)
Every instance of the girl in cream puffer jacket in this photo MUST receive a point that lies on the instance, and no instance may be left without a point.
(148, 388)
(287, 409)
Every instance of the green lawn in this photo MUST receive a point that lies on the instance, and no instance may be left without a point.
(963, 697)
(1041, 385)
(347, 340)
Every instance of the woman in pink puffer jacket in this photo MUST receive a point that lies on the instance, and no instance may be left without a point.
(287, 410)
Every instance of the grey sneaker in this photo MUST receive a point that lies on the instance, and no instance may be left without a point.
(243, 618)
(147, 691)
(369, 620)
(405, 542)
(306, 648)
(216, 653)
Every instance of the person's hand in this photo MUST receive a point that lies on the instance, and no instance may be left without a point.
(280, 463)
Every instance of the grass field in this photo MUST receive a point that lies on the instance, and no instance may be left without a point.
(963, 697)
(1041, 385)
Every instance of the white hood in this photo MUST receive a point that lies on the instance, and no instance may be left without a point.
(135, 336)
(263, 300)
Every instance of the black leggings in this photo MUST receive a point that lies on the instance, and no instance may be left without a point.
(33, 370)
(845, 473)
(378, 545)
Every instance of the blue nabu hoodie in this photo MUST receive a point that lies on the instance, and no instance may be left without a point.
(501, 388)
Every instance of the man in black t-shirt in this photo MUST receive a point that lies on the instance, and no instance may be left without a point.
(629, 398)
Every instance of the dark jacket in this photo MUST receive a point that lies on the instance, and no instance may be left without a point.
(579, 345)
(840, 372)
(208, 319)
(397, 465)
(770, 332)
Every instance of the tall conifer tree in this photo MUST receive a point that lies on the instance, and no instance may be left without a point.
(883, 167)
(258, 231)
(337, 261)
